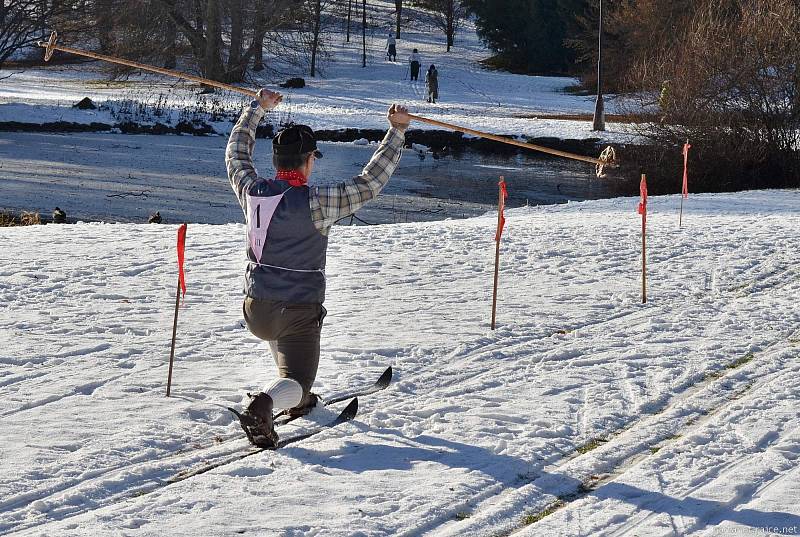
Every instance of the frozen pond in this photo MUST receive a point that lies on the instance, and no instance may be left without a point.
(125, 178)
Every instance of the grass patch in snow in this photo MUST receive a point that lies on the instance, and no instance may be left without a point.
(533, 518)
(590, 445)
(713, 375)
(741, 361)
(25, 219)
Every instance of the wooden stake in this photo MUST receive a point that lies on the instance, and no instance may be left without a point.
(500, 204)
(174, 332)
(607, 159)
(644, 252)
(496, 274)
(684, 184)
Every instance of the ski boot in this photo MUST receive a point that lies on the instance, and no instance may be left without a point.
(308, 404)
(257, 421)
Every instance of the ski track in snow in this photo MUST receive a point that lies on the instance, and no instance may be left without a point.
(479, 428)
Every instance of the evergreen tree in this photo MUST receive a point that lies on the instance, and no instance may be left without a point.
(528, 35)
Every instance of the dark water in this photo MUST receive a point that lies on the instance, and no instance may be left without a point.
(125, 178)
(428, 187)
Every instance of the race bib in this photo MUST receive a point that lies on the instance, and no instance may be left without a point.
(260, 211)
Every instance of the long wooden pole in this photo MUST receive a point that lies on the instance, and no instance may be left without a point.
(510, 141)
(51, 46)
(174, 332)
(145, 67)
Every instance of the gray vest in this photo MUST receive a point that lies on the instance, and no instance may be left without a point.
(292, 264)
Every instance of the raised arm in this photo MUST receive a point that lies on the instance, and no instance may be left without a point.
(239, 152)
(334, 202)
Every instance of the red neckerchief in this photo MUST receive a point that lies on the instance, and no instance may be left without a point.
(293, 177)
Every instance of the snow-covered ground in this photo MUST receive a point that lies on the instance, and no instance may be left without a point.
(689, 401)
(584, 413)
(346, 95)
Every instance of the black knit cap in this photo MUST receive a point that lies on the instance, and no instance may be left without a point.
(295, 140)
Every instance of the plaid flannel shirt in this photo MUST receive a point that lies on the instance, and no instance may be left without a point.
(328, 203)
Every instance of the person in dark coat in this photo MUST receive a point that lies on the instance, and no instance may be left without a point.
(432, 83)
(391, 48)
(415, 63)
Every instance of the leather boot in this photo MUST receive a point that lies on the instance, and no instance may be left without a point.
(257, 421)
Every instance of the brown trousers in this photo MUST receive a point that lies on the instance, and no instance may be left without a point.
(292, 331)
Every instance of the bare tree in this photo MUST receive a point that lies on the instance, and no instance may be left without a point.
(730, 85)
(212, 18)
(23, 22)
(447, 16)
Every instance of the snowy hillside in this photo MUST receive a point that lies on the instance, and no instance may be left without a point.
(608, 416)
(345, 95)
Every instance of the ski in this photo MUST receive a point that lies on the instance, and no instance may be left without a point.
(348, 414)
(282, 417)
(381, 384)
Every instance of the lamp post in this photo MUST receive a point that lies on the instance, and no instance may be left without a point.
(599, 123)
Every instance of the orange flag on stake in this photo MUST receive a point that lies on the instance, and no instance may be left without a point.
(501, 219)
(181, 287)
(685, 190)
(181, 248)
(501, 222)
(643, 201)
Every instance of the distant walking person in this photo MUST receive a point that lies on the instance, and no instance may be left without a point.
(432, 83)
(391, 48)
(415, 63)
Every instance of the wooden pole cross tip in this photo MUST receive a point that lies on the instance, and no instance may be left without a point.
(608, 159)
(49, 46)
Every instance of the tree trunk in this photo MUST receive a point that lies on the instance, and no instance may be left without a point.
(104, 21)
(170, 43)
(42, 16)
(349, 11)
(398, 4)
(235, 70)
(199, 15)
(450, 23)
(364, 33)
(212, 60)
(315, 41)
(259, 32)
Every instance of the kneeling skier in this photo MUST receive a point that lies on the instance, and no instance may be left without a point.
(288, 223)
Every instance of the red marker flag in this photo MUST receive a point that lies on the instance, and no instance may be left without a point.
(181, 248)
(686, 148)
(501, 222)
(643, 202)
(501, 217)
